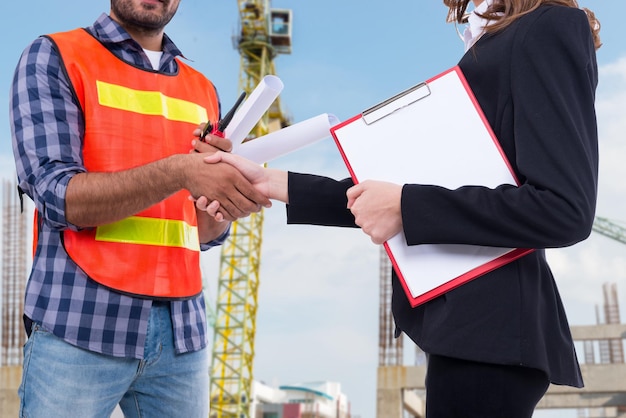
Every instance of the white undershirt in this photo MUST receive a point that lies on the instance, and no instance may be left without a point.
(475, 24)
(154, 57)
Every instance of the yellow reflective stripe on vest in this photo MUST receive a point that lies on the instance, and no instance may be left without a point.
(150, 103)
(150, 231)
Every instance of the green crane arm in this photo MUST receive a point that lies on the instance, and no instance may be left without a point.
(609, 229)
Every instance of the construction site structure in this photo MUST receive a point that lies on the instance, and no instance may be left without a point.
(390, 348)
(15, 260)
(401, 388)
(14, 275)
(263, 33)
(604, 394)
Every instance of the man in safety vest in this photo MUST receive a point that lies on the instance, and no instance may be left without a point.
(102, 123)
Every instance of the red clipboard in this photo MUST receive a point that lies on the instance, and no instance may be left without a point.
(400, 140)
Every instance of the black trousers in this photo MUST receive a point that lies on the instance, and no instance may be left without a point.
(467, 389)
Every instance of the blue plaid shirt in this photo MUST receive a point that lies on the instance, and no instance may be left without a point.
(47, 129)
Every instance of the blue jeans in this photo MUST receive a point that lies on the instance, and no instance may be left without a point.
(61, 380)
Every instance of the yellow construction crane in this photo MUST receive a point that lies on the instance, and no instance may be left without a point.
(263, 33)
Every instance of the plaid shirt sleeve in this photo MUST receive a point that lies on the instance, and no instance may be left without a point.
(46, 131)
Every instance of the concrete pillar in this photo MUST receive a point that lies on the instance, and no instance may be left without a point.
(392, 381)
(10, 378)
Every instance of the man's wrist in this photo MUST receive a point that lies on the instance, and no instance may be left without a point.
(175, 167)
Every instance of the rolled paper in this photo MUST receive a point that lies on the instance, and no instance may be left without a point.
(291, 138)
(252, 109)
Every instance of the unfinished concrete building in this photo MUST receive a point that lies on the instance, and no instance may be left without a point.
(14, 275)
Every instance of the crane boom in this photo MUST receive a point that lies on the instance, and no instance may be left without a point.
(263, 34)
(609, 229)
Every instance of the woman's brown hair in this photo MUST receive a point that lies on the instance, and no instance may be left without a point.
(504, 12)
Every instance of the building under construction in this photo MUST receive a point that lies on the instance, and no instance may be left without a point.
(401, 388)
(14, 274)
(15, 262)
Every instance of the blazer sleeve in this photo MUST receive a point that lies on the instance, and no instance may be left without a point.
(553, 76)
(318, 200)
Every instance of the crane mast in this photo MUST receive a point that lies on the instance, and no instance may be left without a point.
(263, 33)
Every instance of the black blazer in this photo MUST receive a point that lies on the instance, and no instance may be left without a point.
(536, 83)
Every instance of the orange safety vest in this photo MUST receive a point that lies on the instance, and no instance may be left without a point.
(133, 117)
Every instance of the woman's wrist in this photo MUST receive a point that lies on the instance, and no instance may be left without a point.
(277, 184)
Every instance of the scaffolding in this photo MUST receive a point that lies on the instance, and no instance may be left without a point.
(390, 349)
(610, 350)
(14, 274)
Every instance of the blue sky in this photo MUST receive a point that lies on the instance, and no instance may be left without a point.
(318, 301)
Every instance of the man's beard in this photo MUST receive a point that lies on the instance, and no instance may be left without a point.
(142, 20)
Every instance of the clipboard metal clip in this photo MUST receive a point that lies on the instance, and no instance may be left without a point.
(395, 103)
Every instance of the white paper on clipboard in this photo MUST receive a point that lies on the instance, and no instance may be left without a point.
(434, 133)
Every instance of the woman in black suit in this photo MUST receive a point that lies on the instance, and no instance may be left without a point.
(495, 343)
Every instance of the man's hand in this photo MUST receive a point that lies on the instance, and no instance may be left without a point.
(222, 182)
(256, 174)
(209, 226)
(210, 143)
(376, 208)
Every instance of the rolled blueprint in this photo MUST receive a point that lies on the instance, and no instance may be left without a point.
(273, 145)
(253, 109)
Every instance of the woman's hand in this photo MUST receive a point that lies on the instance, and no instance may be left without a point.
(376, 208)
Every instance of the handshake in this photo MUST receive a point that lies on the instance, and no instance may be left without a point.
(374, 204)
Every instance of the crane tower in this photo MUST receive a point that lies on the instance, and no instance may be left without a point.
(263, 33)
